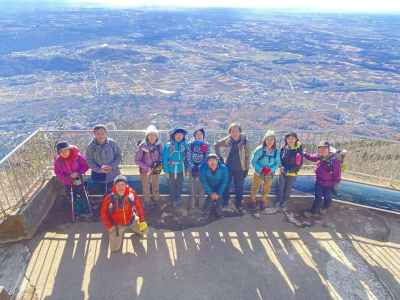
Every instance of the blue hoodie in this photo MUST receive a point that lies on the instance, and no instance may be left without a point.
(174, 155)
(263, 158)
(214, 182)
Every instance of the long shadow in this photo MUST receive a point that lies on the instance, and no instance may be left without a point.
(346, 272)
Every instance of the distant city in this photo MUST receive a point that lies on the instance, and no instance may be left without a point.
(74, 68)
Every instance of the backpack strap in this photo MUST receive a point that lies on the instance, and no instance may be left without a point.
(111, 205)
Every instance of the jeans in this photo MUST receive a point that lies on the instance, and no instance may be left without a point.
(175, 187)
(237, 176)
(323, 198)
(197, 192)
(285, 189)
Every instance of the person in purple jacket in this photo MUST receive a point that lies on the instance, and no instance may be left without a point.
(328, 175)
(148, 158)
(70, 166)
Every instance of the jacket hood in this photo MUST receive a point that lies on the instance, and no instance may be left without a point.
(174, 131)
(201, 130)
(151, 129)
(74, 152)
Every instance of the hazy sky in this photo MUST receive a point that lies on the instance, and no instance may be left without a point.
(328, 5)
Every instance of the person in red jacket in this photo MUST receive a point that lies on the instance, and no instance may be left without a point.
(122, 210)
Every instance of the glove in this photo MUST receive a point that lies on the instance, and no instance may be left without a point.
(143, 226)
(298, 159)
(203, 148)
(266, 171)
(214, 197)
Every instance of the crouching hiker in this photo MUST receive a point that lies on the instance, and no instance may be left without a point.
(197, 156)
(214, 177)
(265, 161)
(328, 175)
(70, 166)
(175, 163)
(148, 158)
(121, 211)
(291, 155)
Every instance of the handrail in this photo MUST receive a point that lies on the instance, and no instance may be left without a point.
(32, 159)
(9, 154)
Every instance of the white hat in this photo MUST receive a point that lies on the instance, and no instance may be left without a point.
(269, 133)
(151, 129)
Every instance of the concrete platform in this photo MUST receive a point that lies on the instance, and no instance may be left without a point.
(354, 253)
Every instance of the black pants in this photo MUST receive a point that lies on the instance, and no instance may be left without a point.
(100, 188)
(237, 177)
(323, 198)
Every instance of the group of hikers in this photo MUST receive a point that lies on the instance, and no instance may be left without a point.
(211, 175)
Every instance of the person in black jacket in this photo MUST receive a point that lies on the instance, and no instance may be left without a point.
(291, 162)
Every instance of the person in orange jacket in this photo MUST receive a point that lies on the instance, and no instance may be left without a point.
(120, 211)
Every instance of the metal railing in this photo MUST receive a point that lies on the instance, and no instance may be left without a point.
(30, 163)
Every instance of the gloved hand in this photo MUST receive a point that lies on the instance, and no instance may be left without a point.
(203, 148)
(143, 226)
(266, 171)
(214, 196)
(298, 159)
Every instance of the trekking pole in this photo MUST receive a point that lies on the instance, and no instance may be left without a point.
(72, 205)
(87, 199)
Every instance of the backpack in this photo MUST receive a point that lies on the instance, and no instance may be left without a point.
(199, 156)
(340, 156)
(265, 155)
(113, 205)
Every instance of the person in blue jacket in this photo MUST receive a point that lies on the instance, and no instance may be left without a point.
(175, 164)
(214, 176)
(265, 160)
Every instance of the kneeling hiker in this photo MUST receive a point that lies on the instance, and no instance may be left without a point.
(328, 175)
(265, 161)
(70, 166)
(215, 178)
(122, 210)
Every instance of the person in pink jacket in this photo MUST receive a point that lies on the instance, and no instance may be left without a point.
(70, 166)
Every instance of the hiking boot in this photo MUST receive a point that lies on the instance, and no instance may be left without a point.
(227, 209)
(271, 210)
(240, 211)
(310, 214)
(218, 213)
(324, 211)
